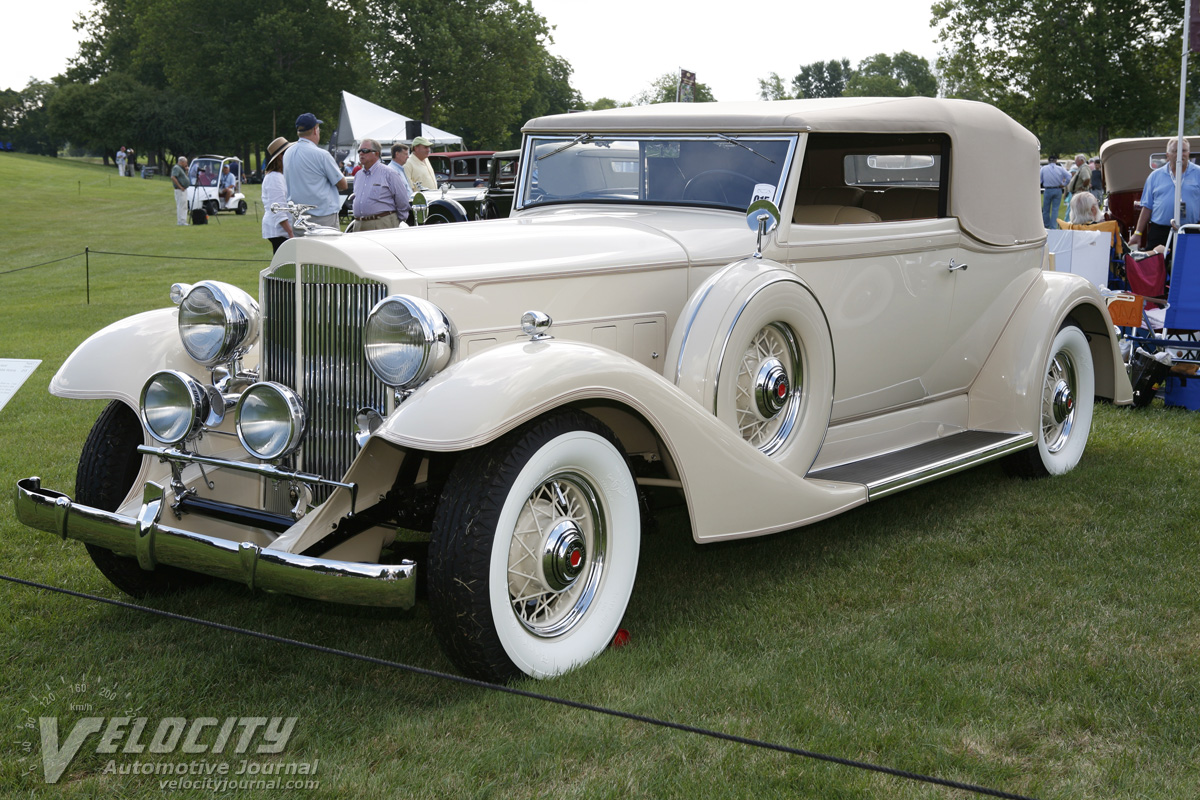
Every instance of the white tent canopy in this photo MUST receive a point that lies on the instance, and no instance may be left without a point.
(360, 119)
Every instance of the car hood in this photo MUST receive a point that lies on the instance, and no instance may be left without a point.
(556, 240)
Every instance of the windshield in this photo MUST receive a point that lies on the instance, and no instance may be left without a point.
(704, 170)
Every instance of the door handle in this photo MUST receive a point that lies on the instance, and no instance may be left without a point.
(956, 267)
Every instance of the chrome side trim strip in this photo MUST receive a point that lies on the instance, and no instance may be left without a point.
(949, 466)
(151, 542)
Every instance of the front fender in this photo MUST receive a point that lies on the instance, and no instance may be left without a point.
(115, 362)
(1007, 394)
(452, 210)
(478, 399)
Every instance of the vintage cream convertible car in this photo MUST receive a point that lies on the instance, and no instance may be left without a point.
(512, 387)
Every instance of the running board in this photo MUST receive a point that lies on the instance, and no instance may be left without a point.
(904, 469)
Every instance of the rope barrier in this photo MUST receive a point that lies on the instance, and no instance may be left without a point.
(137, 255)
(727, 737)
(181, 258)
(44, 263)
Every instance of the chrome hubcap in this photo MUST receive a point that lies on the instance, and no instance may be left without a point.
(1064, 403)
(564, 556)
(771, 388)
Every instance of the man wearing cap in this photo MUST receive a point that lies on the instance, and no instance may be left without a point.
(418, 169)
(312, 175)
(380, 197)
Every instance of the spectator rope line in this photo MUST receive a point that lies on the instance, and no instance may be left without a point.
(846, 762)
(89, 251)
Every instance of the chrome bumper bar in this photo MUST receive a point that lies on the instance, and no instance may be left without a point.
(153, 543)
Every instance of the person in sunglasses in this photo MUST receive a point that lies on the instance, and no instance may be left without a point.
(380, 196)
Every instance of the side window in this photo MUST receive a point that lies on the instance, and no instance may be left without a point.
(855, 178)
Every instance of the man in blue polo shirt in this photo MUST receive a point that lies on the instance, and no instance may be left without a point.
(1158, 199)
(312, 175)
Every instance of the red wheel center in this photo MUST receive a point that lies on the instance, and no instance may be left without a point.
(576, 559)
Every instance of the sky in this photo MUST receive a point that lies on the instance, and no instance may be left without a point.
(617, 47)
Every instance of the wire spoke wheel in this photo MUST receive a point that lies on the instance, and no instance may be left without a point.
(534, 550)
(556, 559)
(1058, 401)
(769, 387)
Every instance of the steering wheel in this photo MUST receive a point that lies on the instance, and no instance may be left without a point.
(722, 186)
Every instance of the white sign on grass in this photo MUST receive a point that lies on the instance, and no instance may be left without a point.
(13, 373)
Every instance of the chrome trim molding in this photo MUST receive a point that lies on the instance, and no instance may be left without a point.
(152, 543)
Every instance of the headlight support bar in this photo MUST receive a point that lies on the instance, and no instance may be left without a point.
(175, 456)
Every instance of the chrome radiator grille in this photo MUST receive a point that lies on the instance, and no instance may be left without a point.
(325, 365)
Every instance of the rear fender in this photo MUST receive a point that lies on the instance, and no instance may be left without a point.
(476, 400)
(1006, 396)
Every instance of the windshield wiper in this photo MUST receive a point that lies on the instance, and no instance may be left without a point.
(583, 137)
(732, 140)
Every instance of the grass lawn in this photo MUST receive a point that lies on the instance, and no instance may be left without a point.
(1038, 637)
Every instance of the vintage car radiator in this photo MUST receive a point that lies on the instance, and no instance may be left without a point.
(313, 343)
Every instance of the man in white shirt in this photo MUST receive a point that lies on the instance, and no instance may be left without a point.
(421, 176)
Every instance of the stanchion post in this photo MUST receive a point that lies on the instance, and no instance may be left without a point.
(87, 268)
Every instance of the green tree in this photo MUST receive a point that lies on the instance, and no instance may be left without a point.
(1101, 65)
(901, 75)
(822, 79)
(663, 89)
(470, 66)
(771, 88)
(24, 119)
(603, 103)
(98, 116)
(553, 94)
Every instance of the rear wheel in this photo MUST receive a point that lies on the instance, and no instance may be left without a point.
(1068, 394)
(108, 467)
(534, 550)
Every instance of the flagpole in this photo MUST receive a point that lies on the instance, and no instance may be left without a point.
(1179, 162)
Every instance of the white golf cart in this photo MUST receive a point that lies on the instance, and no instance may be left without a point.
(205, 192)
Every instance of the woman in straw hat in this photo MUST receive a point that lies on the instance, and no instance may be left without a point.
(276, 225)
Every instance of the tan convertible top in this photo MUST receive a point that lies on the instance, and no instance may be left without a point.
(995, 161)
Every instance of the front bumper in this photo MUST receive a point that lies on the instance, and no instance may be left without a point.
(153, 543)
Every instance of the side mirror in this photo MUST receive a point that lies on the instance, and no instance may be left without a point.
(762, 216)
(420, 208)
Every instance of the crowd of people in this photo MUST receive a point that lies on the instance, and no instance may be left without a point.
(1061, 185)
(303, 173)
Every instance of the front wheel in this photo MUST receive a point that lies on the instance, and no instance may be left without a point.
(108, 467)
(241, 207)
(534, 550)
(1067, 398)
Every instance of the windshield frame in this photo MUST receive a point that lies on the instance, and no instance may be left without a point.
(561, 143)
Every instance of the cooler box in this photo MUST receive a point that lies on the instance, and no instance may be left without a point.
(1182, 392)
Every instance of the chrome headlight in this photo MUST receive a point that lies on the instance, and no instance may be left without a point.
(270, 420)
(175, 406)
(407, 340)
(217, 322)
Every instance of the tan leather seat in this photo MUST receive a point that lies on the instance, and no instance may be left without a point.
(903, 203)
(830, 195)
(832, 215)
